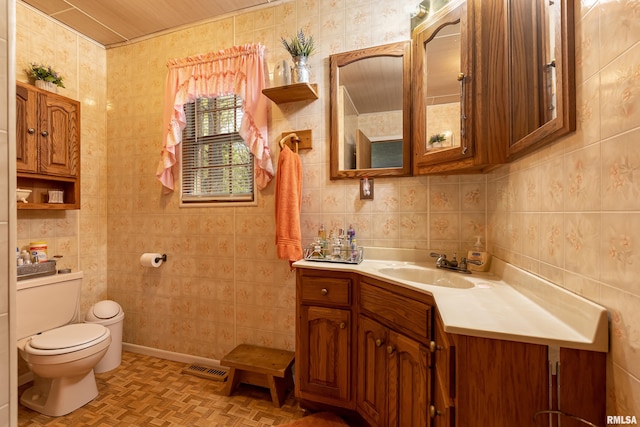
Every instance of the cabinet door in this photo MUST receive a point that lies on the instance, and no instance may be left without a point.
(371, 395)
(442, 412)
(442, 95)
(541, 73)
(409, 380)
(325, 355)
(59, 136)
(26, 130)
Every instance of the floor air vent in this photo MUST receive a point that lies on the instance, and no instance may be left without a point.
(217, 374)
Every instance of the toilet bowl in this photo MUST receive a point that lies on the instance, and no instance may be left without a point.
(60, 354)
(62, 362)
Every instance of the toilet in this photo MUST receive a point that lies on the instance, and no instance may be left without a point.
(61, 353)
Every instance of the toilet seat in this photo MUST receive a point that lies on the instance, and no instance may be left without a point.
(67, 339)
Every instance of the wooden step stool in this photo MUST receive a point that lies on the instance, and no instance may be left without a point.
(260, 366)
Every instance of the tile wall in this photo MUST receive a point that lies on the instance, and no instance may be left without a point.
(571, 212)
(568, 212)
(7, 218)
(223, 284)
(79, 236)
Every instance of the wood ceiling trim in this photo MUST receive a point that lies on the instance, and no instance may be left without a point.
(89, 27)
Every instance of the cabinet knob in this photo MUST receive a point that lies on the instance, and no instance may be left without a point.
(343, 325)
(433, 347)
(433, 412)
(390, 349)
(324, 291)
(31, 131)
(44, 133)
(379, 342)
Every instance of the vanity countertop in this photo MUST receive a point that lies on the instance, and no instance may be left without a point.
(505, 303)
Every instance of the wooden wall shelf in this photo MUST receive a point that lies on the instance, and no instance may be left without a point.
(292, 93)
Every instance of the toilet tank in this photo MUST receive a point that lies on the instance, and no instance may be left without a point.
(47, 302)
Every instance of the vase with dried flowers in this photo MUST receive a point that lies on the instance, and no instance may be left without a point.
(300, 47)
(45, 77)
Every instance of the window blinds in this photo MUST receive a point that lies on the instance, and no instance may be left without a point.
(216, 163)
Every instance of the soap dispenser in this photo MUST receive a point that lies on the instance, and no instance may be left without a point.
(478, 254)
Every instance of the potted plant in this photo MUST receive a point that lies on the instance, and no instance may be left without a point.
(437, 139)
(45, 77)
(300, 47)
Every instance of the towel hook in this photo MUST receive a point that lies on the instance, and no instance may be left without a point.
(294, 140)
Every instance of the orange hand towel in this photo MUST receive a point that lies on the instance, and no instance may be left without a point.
(288, 203)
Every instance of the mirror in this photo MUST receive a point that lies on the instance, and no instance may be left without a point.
(443, 106)
(541, 62)
(442, 93)
(371, 112)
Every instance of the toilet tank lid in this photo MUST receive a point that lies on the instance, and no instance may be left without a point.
(106, 309)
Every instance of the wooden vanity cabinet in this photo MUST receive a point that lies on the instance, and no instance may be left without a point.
(442, 411)
(47, 147)
(380, 351)
(324, 339)
(481, 382)
(393, 369)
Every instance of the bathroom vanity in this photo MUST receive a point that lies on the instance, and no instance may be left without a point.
(401, 343)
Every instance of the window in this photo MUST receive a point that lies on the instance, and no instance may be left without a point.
(217, 166)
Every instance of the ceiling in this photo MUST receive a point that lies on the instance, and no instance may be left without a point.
(386, 95)
(111, 22)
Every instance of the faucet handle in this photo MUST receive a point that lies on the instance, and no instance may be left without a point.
(464, 261)
(441, 259)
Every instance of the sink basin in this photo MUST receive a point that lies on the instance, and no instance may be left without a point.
(427, 276)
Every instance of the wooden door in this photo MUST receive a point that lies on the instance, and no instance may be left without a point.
(59, 136)
(325, 355)
(371, 394)
(363, 150)
(409, 380)
(26, 130)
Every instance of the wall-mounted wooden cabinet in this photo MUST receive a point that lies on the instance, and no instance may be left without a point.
(492, 81)
(459, 102)
(47, 147)
(541, 79)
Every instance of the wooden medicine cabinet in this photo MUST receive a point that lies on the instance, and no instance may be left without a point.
(47, 148)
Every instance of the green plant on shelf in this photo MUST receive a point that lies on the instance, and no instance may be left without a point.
(46, 73)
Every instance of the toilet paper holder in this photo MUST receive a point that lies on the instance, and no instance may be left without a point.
(163, 258)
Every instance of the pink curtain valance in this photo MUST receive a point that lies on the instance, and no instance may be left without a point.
(238, 70)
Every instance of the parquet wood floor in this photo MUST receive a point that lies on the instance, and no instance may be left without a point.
(147, 391)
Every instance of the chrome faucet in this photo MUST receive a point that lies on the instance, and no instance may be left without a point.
(453, 265)
(443, 262)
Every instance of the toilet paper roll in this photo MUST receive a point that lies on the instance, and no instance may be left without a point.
(151, 260)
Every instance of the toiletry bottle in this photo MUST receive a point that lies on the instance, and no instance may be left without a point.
(478, 254)
(351, 233)
(354, 250)
(322, 235)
